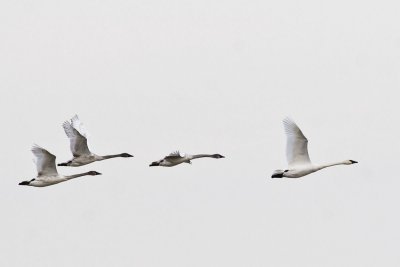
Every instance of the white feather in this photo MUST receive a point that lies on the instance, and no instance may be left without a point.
(45, 161)
(78, 142)
(296, 144)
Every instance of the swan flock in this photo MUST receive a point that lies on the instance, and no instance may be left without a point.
(299, 163)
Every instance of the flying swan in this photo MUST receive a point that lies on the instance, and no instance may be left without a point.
(47, 171)
(79, 148)
(297, 154)
(176, 158)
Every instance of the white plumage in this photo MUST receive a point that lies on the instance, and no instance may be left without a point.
(299, 163)
(296, 144)
(176, 158)
(77, 135)
(46, 169)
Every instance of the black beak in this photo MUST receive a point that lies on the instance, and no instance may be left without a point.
(62, 164)
(154, 164)
(24, 183)
(353, 161)
(277, 175)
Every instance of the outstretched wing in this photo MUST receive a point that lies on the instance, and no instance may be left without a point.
(78, 142)
(173, 155)
(45, 161)
(78, 125)
(296, 144)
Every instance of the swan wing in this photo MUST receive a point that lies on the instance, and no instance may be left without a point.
(45, 161)
(173, 155)
(296, 144)
(78, 125)
(78, 142)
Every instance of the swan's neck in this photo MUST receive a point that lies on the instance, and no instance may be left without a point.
(200, 156)
(110, 156)
(69, 177)
(323, 166)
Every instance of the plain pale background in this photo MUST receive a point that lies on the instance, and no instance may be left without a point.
(151, 77)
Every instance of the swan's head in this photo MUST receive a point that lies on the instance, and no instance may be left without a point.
(126, 155)
(279, 173)
(26, 182)
(94, 173)
(218, 156)
(155, 163)
(68, 163)
(349, 162)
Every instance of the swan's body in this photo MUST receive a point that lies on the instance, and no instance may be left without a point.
(176, 158)
(297, 154)
(79, 147)
(47, 171)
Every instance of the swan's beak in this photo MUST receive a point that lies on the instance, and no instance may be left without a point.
(154, 164)
(24, 183)
(277, 175)
(62, 164)
(353, 161)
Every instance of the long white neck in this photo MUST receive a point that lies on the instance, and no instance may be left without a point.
(200, 156)
(122, 155)
(69, 177)
(323, 166)
(110, 156)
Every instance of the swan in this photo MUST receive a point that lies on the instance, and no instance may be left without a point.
(176, 158)
(297, 154)
(47, 171)
(78, 145)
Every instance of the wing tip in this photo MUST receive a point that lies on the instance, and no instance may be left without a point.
(288, 120)
(291, 128)
(175, 153)
(288, 124)
(66, 124)
(75, 117)
(35, 147)
(70, 122)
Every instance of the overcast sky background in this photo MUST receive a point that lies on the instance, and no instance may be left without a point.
(151, 77)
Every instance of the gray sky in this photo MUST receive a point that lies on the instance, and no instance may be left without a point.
(150, 77)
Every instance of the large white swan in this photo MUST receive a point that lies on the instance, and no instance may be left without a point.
(79, 148)
(176, 158)
(297, 154)
(47, 171)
